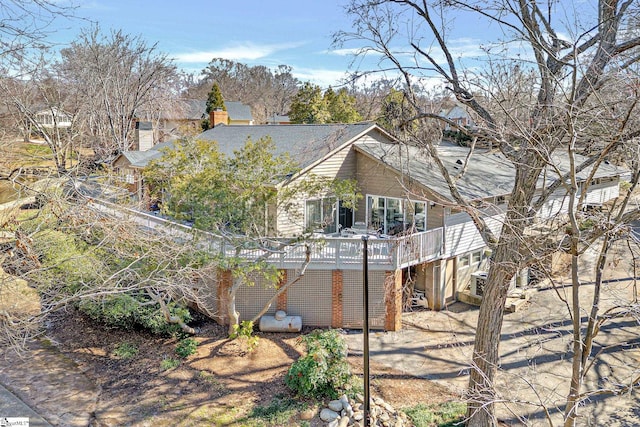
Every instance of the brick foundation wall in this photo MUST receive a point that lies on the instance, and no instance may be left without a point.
(224, 284)
(281, 302)
(336, 299)
(393, 300)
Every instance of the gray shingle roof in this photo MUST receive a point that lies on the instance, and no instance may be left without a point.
(305, 143)
(238, 110)
(488, 174)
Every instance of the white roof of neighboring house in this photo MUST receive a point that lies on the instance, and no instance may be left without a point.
(456, 111)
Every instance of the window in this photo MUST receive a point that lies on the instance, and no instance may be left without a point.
(463, 261)
(416, 215)
(391, 215)
(320, 215)
(476, 257)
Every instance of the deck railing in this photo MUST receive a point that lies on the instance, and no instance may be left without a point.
(337, 253)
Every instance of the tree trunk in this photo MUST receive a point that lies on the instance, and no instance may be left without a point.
(505, 261)
(576, 367)
(232, 313)
(481, 393)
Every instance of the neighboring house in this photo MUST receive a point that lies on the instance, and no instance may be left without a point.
(279, 119)
(129, 165)
(53, 117)
(419, 242)
(188, 115)
(458, 114)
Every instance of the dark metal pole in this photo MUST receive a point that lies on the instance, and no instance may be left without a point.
(365, 329)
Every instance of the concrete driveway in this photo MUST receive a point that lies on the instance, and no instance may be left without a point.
(535, 352)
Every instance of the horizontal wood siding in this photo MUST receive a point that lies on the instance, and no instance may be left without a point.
(557, 203)
(461, 234)
(602, 193)
(341, 165)
(376, 179)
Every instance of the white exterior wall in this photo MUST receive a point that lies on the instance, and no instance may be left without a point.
(602, 193)
(462, 236)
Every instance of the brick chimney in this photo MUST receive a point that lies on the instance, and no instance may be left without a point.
(217, 117)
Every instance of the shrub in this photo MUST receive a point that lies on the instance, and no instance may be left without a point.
(324, 371)
(186, 347)
(126, 350)
(169, 363)
(245, 330)
(129, 311)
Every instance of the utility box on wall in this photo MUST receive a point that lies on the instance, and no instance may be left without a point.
(478, 282)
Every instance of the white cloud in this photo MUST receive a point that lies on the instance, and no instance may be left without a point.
(344, 52)
(247, 51)
(322, 77)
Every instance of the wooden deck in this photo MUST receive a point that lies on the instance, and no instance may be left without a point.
(330, 253)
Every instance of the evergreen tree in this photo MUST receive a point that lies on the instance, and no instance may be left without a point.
(214, 101)
(341, 106)
(309, 106)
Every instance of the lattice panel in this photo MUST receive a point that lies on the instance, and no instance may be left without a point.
(311, 298)
(251, 299)
(206, 292)
(352, 307)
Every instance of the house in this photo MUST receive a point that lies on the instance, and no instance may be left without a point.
(128, 166)
(279, 119)
(187, 117)
(419, 242)
(458, 115)
(52, 117)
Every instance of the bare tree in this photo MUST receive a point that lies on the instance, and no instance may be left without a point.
(117, 78)
(72, 253)
(268, 92)
(40, 105)
(25, 24)
(530, 106)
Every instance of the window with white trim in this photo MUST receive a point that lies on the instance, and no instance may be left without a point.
(463, 261)
(320, 215)
(392, 215)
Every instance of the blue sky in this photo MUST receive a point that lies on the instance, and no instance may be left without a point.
(297, 33)
(255, 32)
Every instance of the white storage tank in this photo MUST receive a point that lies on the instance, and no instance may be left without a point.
(281, 322)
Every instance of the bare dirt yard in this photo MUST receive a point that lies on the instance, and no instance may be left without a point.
(222, 384)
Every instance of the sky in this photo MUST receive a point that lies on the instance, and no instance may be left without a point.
(297, 33)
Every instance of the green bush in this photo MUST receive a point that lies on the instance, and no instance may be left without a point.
(324, 371)
(126, 350)
(129, 311)
(186, 347)
(169, 363)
